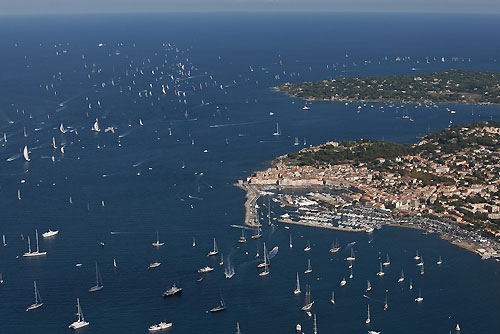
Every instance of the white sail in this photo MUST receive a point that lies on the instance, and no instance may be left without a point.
(95, 127)
(38, 299)
(25, 153)
(54, 143)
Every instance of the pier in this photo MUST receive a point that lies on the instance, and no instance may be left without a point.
(252, 195)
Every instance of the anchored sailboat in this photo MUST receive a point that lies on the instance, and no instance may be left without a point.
(291, 245)
(367, 321)
(95, 127)
(368, 286)
(335, 247)
(81, 319)
(220, 307)
(402, 278)
(308, 247)
(352, 257)
(99, 285)
(381, 272)
(332, 300)
(387, 261)
(38, 300)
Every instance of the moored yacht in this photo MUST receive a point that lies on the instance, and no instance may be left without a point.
(38, 300)
(50, 233)
(174, 290)
(35, 253)
(81, 319)
(159, 327)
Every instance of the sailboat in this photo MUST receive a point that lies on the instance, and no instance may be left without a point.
(343, 282)
(315, 329)
(381, 272)
(257, 235)
(309, 268)
(238, 331)
(421, 263)
(157, 243)
(220, 307)
(99, 286)
(242, 239)
(221, 259)
(308, 247)
(296, 142)
(54, 143)
(194, 242)
(1, 278)
(114, 263)
(25, 153)
(38, 299)
(368, 286)
(386, 305)
(215, 251)
(422, 269)
(411, 284)
(333, 298)
(266, 258)
(457, 328)
(61, 128)
(81, 319)
(37, 252)
(266, 267)
(278, 132)
(4, 242)
(402, 278)
(419, 299)
(440, 261)
(297, 288)
(387, 261)
(367, 321)
(308, 304)
(335, 247)
(95, 127)
(352, 257)
(291, 245)
(19, 194)
(416, 257)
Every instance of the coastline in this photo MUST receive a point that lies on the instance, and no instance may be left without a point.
(253, 194)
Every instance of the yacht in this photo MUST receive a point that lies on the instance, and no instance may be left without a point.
(81, 319)
(440, 261)
(154, 265)
(215, 251)
(50, 233)
(220, 307)
(35, 253)
(206, 269)
(38, 300)
(278, 132)
(297, 288)
(159, 327)
(386, 305)
(290, 244)
(257, 235)
(457, 328)
(3, 240)
(416, 257)
(333, 298)
(367, 321)
(174, 290)
(306, 108)
(411, 285)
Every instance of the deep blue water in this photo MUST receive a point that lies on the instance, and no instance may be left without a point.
(145, 188)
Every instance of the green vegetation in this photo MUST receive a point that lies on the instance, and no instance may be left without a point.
(453, 86)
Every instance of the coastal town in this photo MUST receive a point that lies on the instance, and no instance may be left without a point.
(447, 183)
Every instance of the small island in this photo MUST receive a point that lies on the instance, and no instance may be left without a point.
(453, 86)
(447, 183)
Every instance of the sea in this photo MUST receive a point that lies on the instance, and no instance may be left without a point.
(185, 108)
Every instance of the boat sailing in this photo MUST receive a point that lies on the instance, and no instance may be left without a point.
(38, 300)
(215, 251)
(35, 253)
(297, 288)
(81, 319)
(308, 303)
(157, 243)
(98, 286)
(335, 247)
(309, 267)
(220, 307)
(25, 154)
(278, 132)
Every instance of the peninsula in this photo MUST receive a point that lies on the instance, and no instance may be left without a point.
(448, 183)
(453, 86)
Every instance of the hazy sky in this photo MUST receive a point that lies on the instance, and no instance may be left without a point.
(126, 6)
